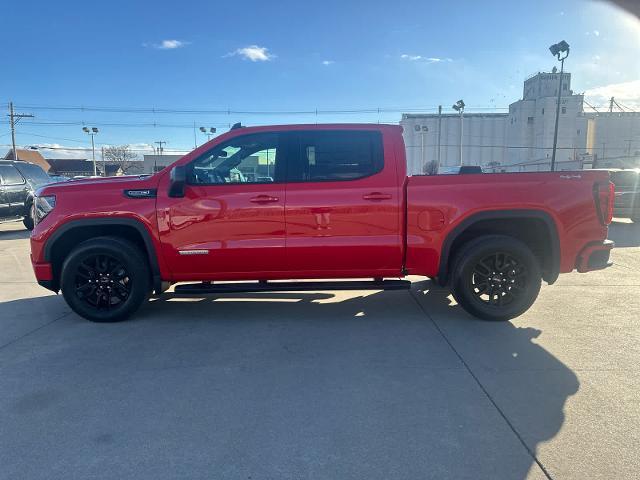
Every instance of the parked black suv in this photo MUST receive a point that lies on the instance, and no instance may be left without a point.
(627, 184)
(18, 182)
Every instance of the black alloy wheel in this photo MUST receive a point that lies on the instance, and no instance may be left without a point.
(102, 281)
(499, 279)
(495, 277)
(105, 279)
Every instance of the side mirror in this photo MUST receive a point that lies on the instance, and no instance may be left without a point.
(177, 181)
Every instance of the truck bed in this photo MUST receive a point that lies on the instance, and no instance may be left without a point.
(438, 205)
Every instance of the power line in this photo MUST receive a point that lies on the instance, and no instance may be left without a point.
(62, 123)
(88, 149)
(230, 111)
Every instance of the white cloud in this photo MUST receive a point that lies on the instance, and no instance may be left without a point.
(254, 53)
(626, 93)
(596, 33)
(167, 44)
(414, 58)
(328, 62)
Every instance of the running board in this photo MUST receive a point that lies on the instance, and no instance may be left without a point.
(204, 288)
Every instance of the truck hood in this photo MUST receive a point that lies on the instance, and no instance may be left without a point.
(100, 184)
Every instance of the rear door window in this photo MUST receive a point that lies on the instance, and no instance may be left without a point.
(325, 156)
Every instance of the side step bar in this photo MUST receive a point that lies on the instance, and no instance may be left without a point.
(276, 286)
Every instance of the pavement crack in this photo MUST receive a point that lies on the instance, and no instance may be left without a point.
(482, 387)
(34, 330)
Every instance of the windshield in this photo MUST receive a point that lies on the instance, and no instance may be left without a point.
(33, 173)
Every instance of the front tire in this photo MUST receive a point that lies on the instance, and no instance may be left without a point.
(105, 279)
(495, 277)
(27, 221)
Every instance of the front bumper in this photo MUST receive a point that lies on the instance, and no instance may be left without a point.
(44, 275)
(595, 256)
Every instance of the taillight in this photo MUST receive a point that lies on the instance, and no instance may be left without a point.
(605, 195)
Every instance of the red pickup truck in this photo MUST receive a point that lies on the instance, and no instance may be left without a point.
(268, 204)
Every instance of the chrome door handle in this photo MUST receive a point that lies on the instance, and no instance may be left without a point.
(264, 199)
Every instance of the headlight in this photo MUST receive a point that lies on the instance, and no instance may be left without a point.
(42, 206)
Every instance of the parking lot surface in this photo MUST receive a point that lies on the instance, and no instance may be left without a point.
(323, 385)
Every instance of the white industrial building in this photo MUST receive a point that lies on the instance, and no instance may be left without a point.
(522, 140)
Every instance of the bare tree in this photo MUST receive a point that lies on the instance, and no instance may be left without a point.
(430, 168)
(120, 155)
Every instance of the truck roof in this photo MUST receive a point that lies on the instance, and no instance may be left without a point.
(322, 126)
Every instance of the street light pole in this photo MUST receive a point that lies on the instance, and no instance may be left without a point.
(557, 50)
(461, 133)
(209, 133)
(439, 131)
(422, 129)
(93, 132)
(459, 107)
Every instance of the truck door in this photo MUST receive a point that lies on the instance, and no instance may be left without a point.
(230, 223)
(14, 192)
(343, 205)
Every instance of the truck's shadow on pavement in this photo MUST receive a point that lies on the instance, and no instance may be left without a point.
(318, 385)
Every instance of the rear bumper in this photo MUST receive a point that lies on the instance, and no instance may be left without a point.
(595, 256)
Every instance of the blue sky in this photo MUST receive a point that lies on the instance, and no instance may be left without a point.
(291, 56)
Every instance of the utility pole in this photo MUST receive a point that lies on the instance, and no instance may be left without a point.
(13, 119)
(104, 163)
(160, 150)
(439, 130)
(195, 139)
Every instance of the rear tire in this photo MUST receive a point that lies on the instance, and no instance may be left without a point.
(495, 277)
(105, 279)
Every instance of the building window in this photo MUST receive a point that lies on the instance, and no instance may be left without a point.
(564, 86)
(578, 131)
(564, 109)
(543, 111)
(529, 120)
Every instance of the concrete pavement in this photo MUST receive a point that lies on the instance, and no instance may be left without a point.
(323, 385)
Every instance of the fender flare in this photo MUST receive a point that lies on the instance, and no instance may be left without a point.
(97, 222)
(552, 230)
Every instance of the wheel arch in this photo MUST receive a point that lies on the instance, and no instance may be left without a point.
(69, 234)
(507, 222)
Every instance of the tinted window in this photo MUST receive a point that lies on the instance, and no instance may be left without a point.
(10, 175)
(34, 173)
(254, 158)
(338, 155)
